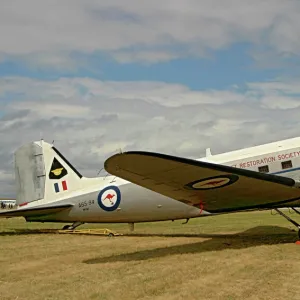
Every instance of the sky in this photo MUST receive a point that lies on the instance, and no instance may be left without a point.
(167, 76)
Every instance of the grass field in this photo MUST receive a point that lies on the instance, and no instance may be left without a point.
(234, 256)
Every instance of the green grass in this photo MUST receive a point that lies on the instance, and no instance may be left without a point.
(234, 256)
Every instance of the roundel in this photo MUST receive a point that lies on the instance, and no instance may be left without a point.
(212, 182)
(109, 198)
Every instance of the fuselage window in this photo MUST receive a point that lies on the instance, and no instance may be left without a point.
(263, 169)
(287, 164)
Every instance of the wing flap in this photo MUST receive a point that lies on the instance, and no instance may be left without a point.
(34, 211)
(216, 187)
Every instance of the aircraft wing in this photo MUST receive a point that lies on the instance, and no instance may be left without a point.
(213, 187)
(34, 211)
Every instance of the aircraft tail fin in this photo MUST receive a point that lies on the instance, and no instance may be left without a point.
(43, 174)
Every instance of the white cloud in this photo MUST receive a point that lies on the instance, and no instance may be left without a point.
(278, 94)
(54, 61)
(275, 102)
(5, 176)
(143, 30)
(144, 56)
(283, 86)
(172, 95)
(48, 110)
(7, 188)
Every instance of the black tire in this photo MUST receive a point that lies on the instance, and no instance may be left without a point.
(111, 235)
(66, 227)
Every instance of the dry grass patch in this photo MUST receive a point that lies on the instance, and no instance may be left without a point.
(237, 256)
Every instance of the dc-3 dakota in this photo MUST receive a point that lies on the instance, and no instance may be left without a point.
(147, 187)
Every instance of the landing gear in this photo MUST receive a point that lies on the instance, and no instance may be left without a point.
(73, 226)
(289, 219)
(187, 220)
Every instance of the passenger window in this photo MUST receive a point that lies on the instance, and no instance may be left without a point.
(263, 169)
(287, 164)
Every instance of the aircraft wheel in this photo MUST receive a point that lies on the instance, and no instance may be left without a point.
(66, 227)
(111, 235)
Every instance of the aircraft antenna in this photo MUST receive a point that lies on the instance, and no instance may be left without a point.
(119, 150)
(113, 180)
(99, 171)
(41, 138)
(208, 152)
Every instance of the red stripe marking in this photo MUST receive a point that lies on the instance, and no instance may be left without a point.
(201, 207)
(23, 204)
(64, 184)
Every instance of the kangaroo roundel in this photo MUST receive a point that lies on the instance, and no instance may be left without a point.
(212, 182)
(109, 198)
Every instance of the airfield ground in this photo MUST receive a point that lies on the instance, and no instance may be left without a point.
(234, 256)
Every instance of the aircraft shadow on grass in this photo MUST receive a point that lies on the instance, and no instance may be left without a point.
(257, 236)
(12, 232)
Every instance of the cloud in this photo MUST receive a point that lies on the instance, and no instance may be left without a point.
(7, 184)
(142, 31)
(144, 56)
(55, 108)
(58, 61)
(90, 120)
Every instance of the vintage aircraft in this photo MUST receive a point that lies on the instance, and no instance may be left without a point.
(155, 187)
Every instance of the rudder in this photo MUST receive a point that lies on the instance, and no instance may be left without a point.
(29, 173)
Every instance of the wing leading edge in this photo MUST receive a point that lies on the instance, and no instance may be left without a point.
(214, 187)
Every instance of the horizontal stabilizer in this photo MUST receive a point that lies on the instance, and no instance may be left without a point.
(34, 211)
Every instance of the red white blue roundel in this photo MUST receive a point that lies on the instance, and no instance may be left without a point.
(109, 198)
(212, 182)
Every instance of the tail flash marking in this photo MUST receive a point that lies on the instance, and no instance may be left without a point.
(63, 184)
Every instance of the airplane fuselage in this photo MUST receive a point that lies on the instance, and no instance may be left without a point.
(136, 205)
(115, 200)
